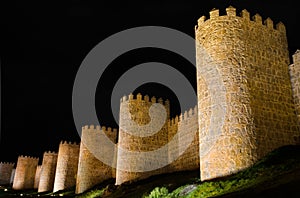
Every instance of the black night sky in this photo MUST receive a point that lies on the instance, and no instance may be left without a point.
(44, 42)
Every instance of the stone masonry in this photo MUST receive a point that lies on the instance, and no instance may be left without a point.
(25, 173)
(135, 112)
(37, 176)
(5, 172)
(47, 174)
(92, 171)
(67, 164)
(244, 91)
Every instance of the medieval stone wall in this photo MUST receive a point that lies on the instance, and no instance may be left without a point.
(244, 91)
(187, 142)
(5, 172)
(25, 172)
(37, 177)
(136, 153)
(91, 170)
(47, 174)
(295, 80)
(67, 164)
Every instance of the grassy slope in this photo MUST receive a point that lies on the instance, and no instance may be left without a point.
(277, 175)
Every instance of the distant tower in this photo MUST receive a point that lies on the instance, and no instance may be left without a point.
(244, 91)
(92, 171)
(66, 168)
(133, 112)
(5, 172)
(37, 176)
(47, 173)
(25, 172)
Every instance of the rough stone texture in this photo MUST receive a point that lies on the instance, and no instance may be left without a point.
(182, 130)
(25, 173)
(139, 113)
(186, 127)
(47, 173)
(244, 91)
(37, 177)
(295, 80)
(67, 164)
(5, 172)
(91, 170)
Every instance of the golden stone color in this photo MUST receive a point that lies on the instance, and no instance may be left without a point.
(245, 101)
(92, 171)
(25, 173)
(37, 176)
(6, 169)
(66, 167)
(139, 113)
(47, 172)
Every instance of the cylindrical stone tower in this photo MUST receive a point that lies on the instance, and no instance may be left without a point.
(91, 170)
(67, 164)
(37, 176)
(5, 172)
(245, 103)
(134, 145)
(25, 173)
(47, 173)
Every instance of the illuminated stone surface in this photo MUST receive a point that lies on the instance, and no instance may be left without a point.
(47, 174)
(242, 65)
(25, 173)
(67, 164)
(92, 171)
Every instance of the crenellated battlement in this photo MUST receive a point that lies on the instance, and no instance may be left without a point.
(245, 15)
(103, 128)
(65, 142)
(192, 112)
(7, 163)
(27, 157)
(50, 153)
(146, 98)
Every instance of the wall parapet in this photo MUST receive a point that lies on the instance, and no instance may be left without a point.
(184, 116)
(146, 98)
(231, 12)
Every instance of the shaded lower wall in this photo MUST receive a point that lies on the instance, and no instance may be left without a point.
(25, 173)
(5, 172)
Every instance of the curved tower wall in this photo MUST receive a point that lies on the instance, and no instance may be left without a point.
(25, 173)
(67, 164)
(91, 170)
(37, 176)
(137, 110)
(244, 91)
(47, 174)
(6, 169)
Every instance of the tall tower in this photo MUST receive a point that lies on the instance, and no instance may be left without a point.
(91, 170)
(37, 176)
(47, 174)
(134, 155)
(6, 169)
(25, 173)
(245, 103)
(66, 167)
